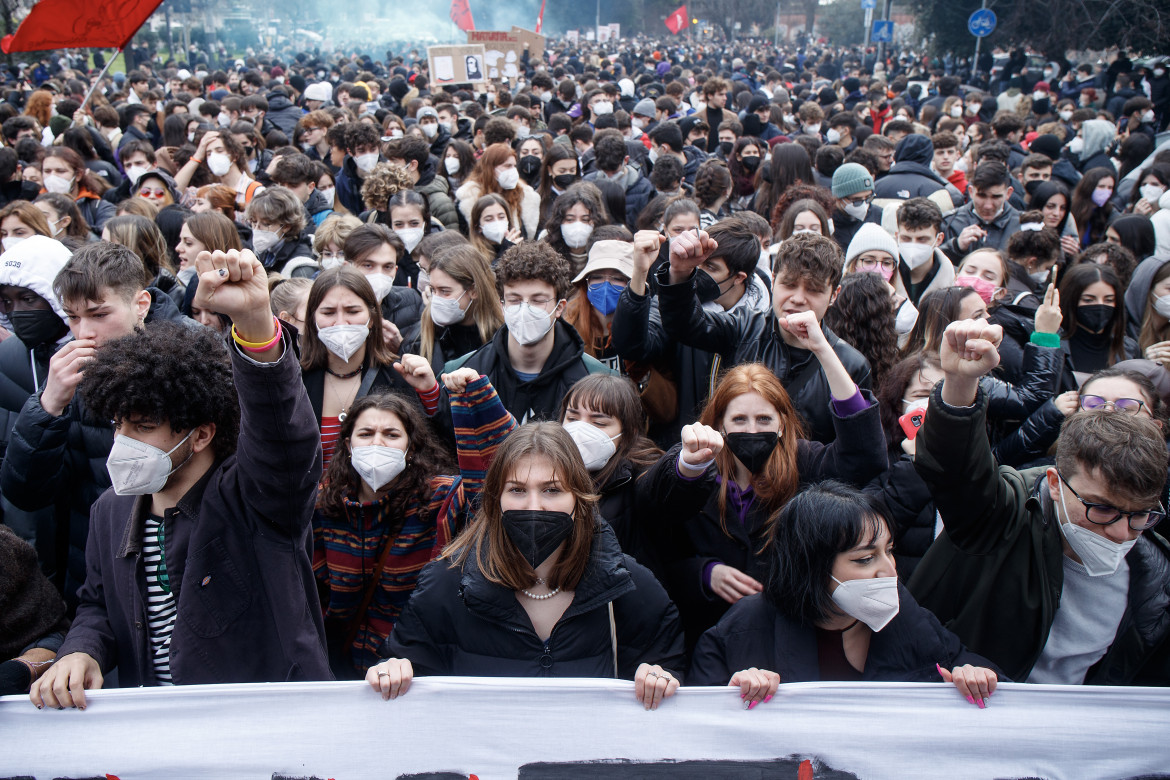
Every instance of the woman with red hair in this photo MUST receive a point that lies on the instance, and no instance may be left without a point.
(718, 492)
(496, 173)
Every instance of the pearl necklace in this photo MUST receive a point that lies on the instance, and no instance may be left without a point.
(543, 596)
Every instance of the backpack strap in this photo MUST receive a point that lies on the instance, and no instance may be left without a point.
(457, 363)
(250, 192)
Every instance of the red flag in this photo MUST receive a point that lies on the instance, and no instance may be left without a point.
(677, 21)
(540, 19)
(461, 15)
(80, 24)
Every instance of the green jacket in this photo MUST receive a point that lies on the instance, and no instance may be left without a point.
(994, 576)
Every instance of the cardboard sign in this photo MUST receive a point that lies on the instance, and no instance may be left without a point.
(502, 50)
(615, 31)
(535, 42)
(573, 37)
(457, 64)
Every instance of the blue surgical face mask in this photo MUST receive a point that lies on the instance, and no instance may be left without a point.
(604, 297)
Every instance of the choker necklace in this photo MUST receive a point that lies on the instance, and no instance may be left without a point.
(543, 596)
(350, 375)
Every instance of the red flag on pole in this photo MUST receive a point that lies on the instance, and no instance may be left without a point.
(461, 15)
(79, 24)
(677, 21)
(540, 19)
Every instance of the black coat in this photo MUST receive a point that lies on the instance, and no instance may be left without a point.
(687, 518)
(61, 461)
(403, 306)
(541, 398)
(745, 336)
(237, 551)
(458, 623)
(755, 633)
(451, 342)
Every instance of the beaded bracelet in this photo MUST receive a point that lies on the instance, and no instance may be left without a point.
(256, 346)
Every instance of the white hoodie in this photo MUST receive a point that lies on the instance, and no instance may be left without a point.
(34, 263)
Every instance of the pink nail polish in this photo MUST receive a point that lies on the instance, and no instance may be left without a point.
(980, 704)
(753, 704)
(768, 698)
(970, 699)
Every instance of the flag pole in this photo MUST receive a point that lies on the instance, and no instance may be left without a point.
(99, 78)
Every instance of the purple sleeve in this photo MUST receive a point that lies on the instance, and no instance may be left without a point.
(683, 476)
(707, 574)
(851, 405)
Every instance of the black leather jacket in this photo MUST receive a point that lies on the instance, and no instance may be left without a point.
(743, 336)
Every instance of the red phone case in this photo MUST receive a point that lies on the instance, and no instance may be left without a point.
(911, 422)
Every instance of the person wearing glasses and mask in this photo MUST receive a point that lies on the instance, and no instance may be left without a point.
(1048, 572)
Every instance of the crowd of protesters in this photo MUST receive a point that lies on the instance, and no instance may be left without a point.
(683, 363)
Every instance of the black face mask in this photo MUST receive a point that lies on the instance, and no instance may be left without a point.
(529, 166)
(563, 181)
(750, 163)
(1030, 186)
(37, 327)
(725, 147)
(1095, 318)
(752, 449)
(535, 533)
(706, 288)
(700, 144)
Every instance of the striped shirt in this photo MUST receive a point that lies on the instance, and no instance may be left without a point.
(160, 601)
(330, 428)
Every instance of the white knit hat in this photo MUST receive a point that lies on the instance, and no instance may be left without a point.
(868, 237)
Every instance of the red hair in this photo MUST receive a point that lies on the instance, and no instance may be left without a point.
(777, 481)
(484, 174)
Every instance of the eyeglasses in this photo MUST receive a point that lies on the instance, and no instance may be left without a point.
(1103, 514)
(339, 256)
(858, 201)
(873, 264)
(1127, 405)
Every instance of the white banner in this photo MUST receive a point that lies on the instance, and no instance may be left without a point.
(589, 729)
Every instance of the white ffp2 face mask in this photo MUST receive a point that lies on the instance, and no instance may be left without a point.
(139, 469)
(873, 600)
(446, 311)
(595, 447)
(377, 465)
(410, 237)
(576, 234)
(219, 163)
(494, 231)
(263, 240)
(381, 284)
(857, 210)
(1100, 556)
(344, 340)
(528, 324)
(915, 255)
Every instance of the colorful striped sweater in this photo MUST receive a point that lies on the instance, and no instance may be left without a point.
(346, 548)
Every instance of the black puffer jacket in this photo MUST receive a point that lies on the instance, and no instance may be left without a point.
(755, 633)
(619, 505)
(282, 113)
(458, 623)
(403, 306)
(686, 513)
(61, 461)
(910, 176)
(746, 336)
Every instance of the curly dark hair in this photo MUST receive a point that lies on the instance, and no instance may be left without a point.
(892, 389)
(426, 458)
(863, 315)
(801, 192)
(533, 260)
(166, 373)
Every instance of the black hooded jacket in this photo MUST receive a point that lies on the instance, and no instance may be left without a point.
(910, 176)
(459, 623)
(61, 462)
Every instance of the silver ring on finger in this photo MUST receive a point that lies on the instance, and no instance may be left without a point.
(651, 673)
(383, 674)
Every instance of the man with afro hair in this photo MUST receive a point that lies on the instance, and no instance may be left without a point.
(211, 508)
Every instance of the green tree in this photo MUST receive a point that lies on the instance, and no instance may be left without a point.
(842, 22)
